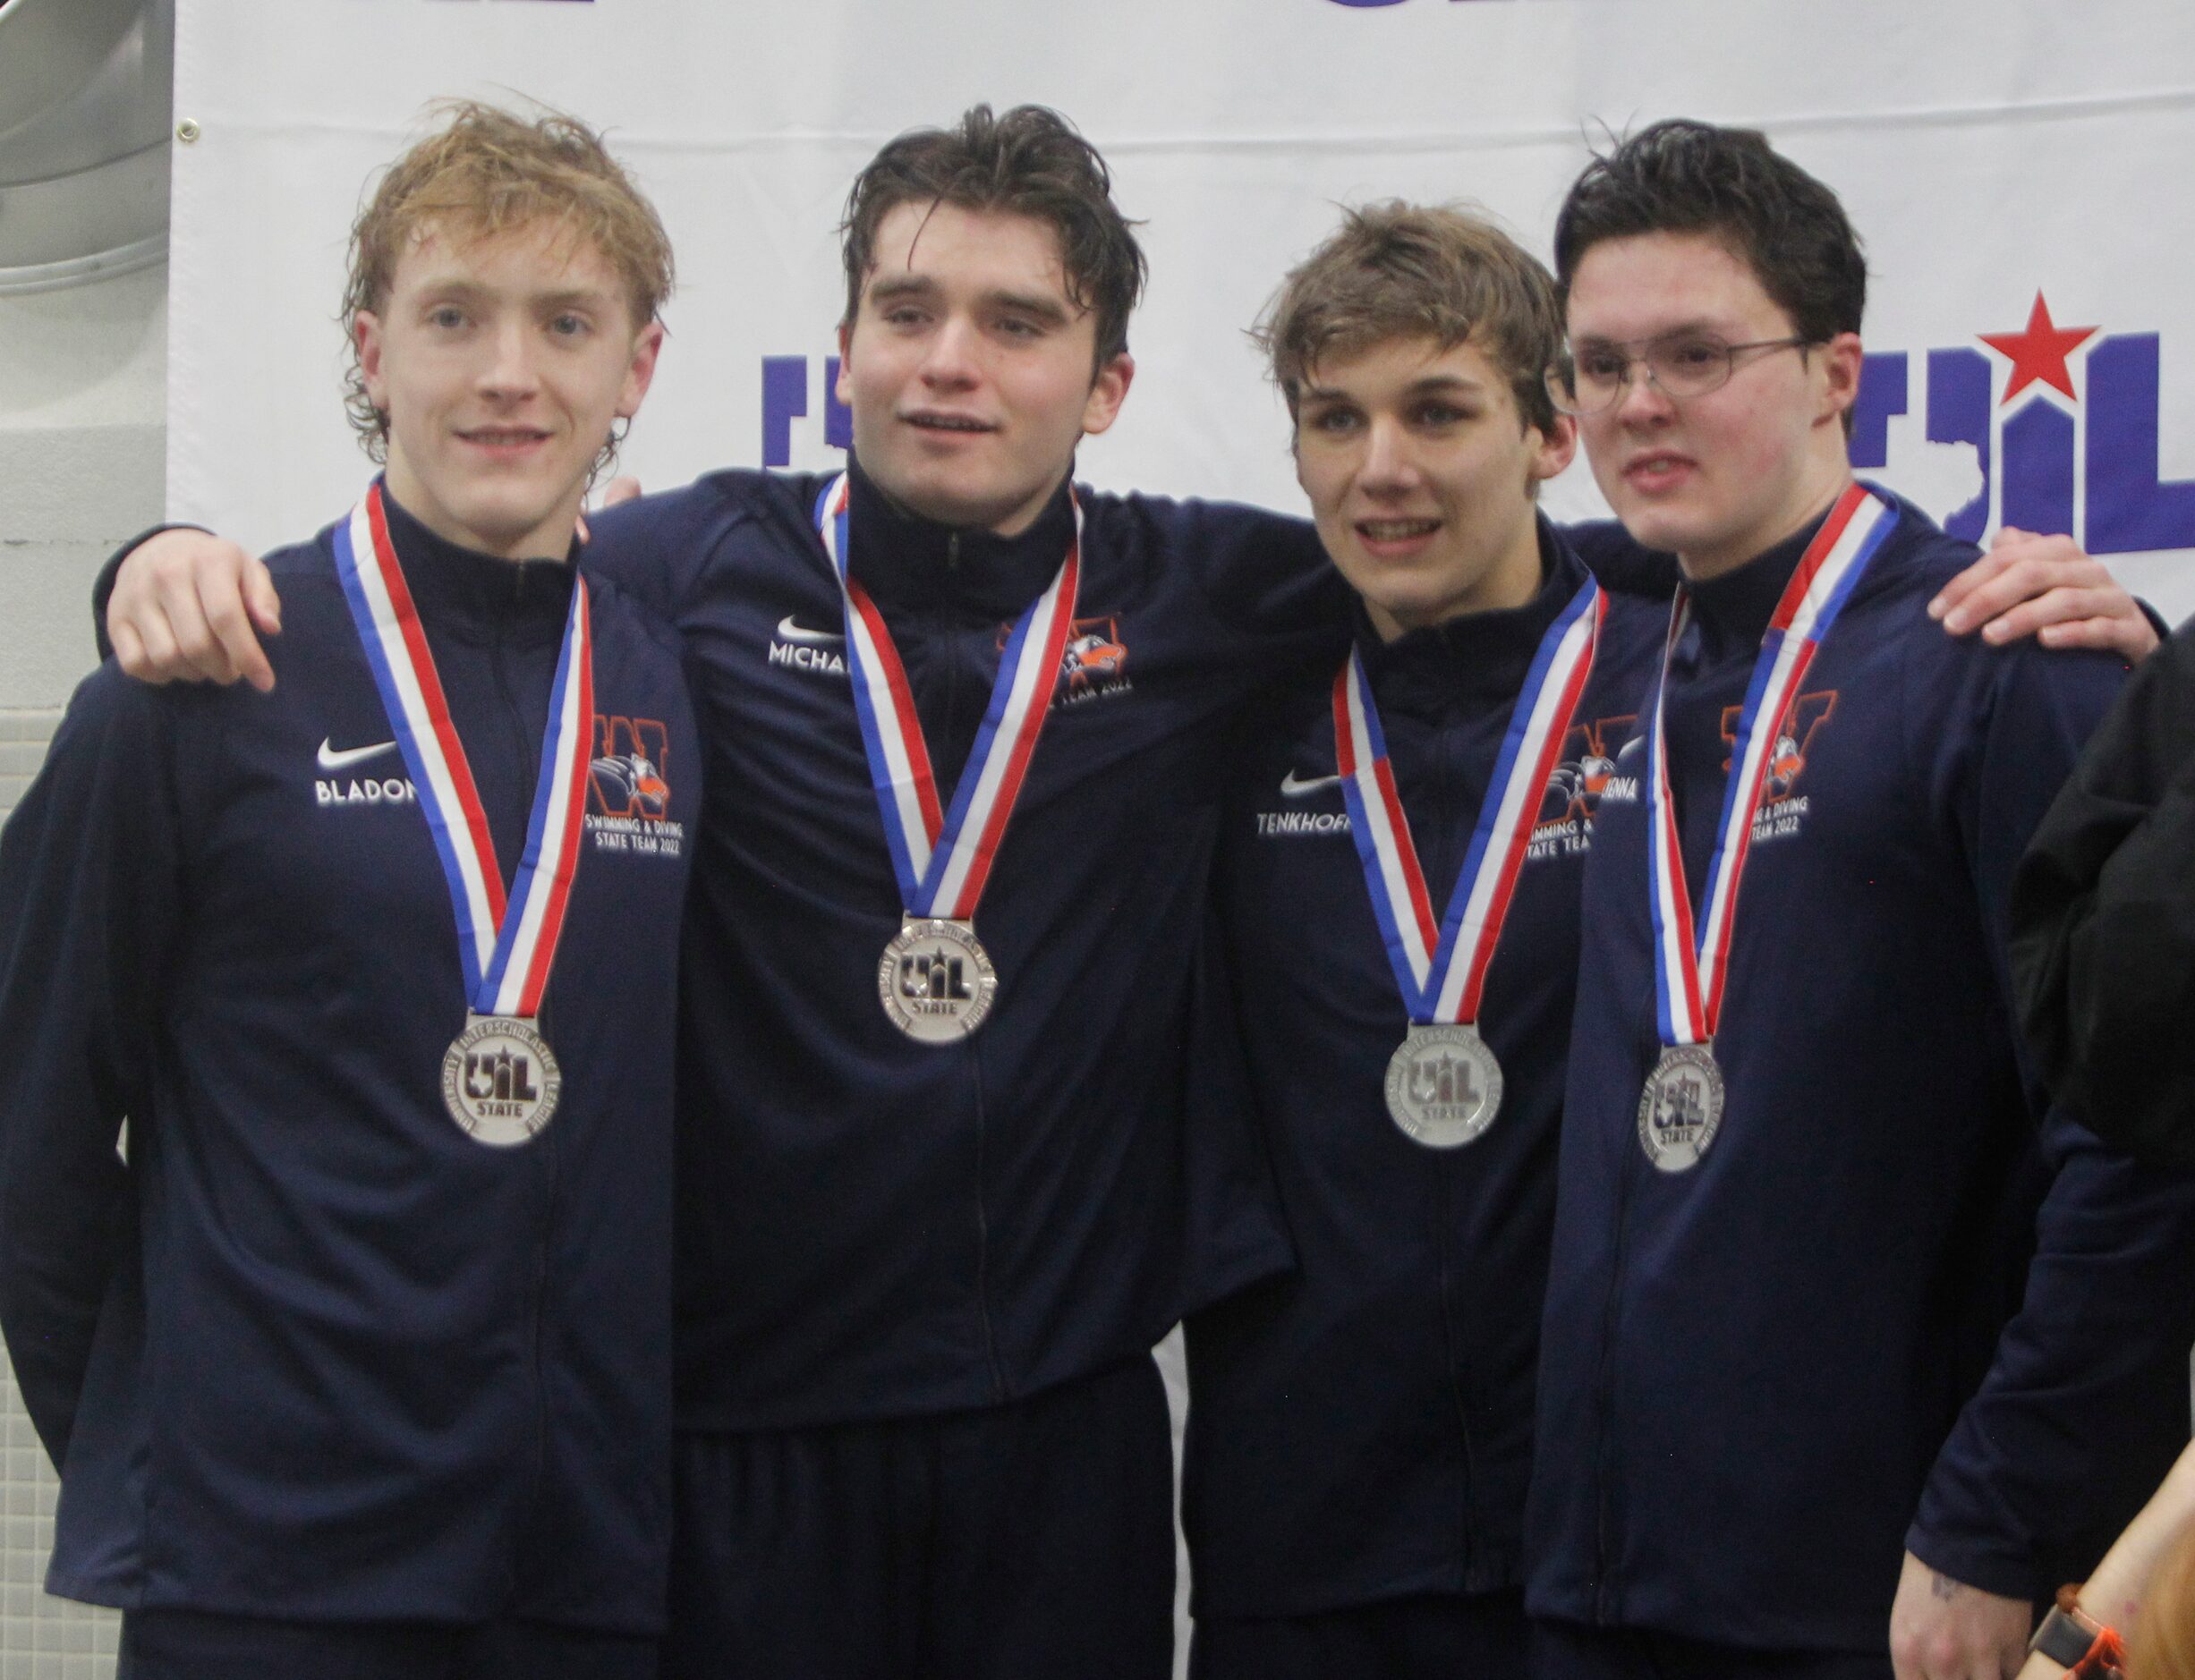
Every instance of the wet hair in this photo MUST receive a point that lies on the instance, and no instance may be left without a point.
(485, 172)
(1395, 270)
(1028, 162)
(1729, 184)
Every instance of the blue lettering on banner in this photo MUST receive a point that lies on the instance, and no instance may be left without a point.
(2018, 454)
(2035, 447)
(785, 399)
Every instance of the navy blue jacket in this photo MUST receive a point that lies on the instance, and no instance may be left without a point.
(1361, 1429)
(1897, 1304)
(313, 1353)
(873, 1228)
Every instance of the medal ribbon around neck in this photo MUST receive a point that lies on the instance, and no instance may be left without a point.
(1440, 970)
(506, 946)
(943, 859)
(1690, 965)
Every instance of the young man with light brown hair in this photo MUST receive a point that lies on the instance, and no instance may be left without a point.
(356, 1360)
(1397, 889)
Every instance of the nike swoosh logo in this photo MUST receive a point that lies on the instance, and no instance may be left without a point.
(331, 759)
(787, 631)
(1295, 786)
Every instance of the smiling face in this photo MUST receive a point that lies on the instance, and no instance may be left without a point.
(967, 367)
(501, 363)
(1421, 475)
(1718, 477)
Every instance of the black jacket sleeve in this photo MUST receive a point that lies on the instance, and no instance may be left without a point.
(2085, 1400)
(2103, 919)
(89, 907)
(1619, 562)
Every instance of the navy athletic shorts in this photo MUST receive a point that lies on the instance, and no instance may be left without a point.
(1567, 1651)
(1030, 1538)
(197, 1645)
(1427, 1636)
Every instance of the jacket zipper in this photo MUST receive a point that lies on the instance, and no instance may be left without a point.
(546, 1161)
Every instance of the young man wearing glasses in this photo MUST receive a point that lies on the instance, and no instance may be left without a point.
(1853, 1350)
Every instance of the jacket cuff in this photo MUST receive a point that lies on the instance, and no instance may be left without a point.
(1973, 1562)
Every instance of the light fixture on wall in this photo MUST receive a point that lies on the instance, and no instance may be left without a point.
(86, 104)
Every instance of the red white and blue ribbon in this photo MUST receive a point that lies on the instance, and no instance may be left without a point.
(1691, 962)
(505, 945)
(943, 857)
(1440, 970)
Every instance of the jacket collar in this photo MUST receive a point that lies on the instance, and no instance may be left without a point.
(1480, 660)
(477, 596)
(904, 560)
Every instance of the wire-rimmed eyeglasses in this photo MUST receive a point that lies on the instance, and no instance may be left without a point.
(1678, 365)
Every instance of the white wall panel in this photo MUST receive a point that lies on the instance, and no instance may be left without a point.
(1988, 152)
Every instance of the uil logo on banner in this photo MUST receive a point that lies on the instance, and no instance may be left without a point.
(2047, 428)
(785, 399)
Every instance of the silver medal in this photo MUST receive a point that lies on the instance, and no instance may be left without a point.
(935, 979)
(499, 1080)
(1443, 1086)
(1680, 1108)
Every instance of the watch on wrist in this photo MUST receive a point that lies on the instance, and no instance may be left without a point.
(2067, 1635)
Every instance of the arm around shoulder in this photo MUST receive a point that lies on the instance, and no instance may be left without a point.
(668, 551)
(183, 605)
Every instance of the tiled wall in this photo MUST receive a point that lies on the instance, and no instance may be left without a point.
(23, 736)
(42, 1638)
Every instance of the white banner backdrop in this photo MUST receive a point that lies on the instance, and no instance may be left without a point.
(1999, 156)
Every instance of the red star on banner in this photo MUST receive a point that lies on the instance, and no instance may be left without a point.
(2040, 352)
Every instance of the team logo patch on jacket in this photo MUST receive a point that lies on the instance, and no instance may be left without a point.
(1783, 808)
(1094, 664)
(1586, 774)
(1576, 785)
(629, 790)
